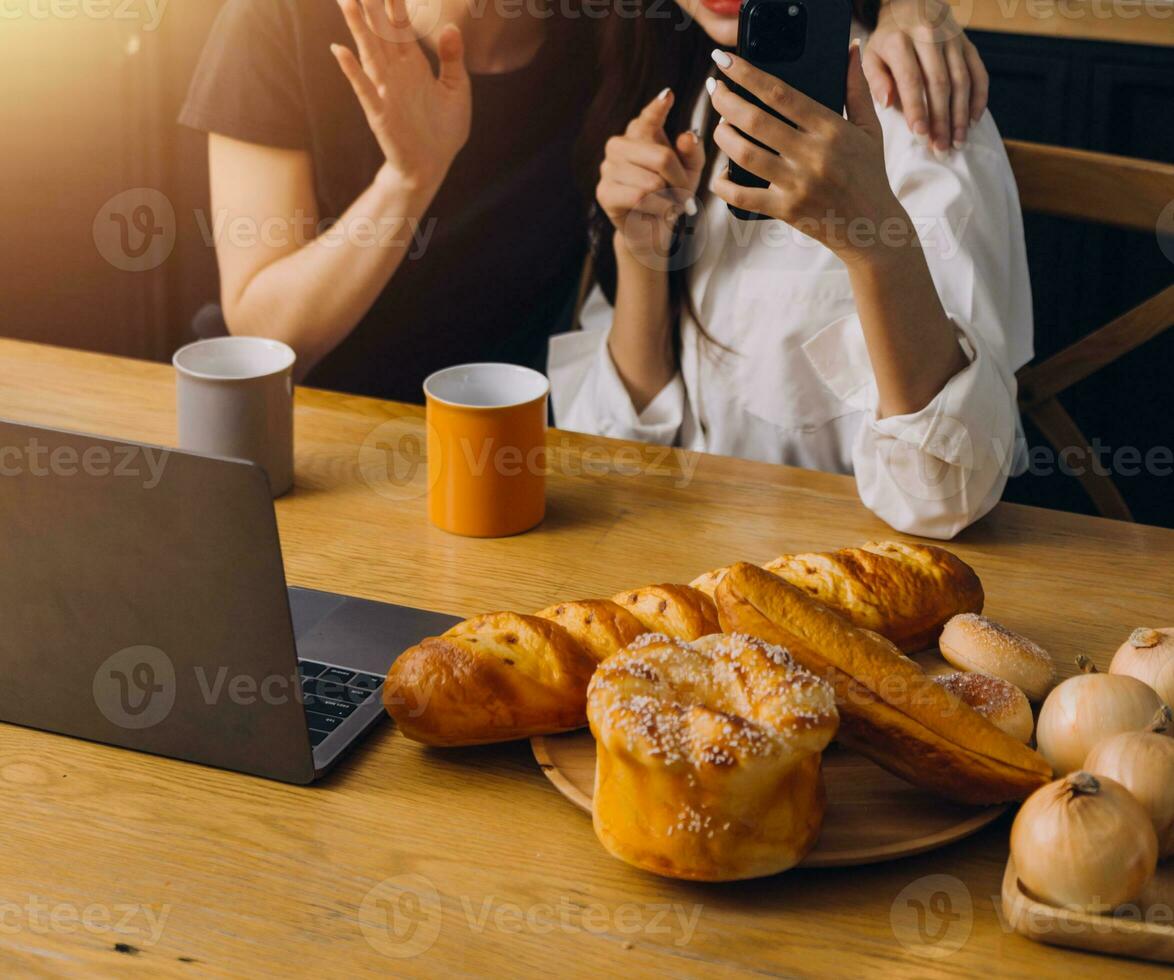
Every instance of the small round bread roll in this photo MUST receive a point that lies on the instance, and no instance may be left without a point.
(708, 756)
(1002, 704)
(979, 645)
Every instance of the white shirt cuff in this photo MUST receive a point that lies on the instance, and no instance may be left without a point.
(589, 395)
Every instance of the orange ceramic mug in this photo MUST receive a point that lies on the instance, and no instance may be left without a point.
(486, 449)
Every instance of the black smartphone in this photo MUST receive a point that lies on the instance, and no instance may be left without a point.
(802, 42)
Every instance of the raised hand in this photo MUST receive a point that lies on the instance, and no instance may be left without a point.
(421, 120)
(919, 59)
(646, 182)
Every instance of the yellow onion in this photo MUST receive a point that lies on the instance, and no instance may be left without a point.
(1143, 762)
(1148, 655)
(1087, 709)
(1083, 842)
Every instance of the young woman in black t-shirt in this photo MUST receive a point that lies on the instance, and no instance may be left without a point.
(392, 184)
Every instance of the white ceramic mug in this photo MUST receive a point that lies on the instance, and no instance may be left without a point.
(234, 397)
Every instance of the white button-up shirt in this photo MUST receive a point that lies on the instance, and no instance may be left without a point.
(797, 386)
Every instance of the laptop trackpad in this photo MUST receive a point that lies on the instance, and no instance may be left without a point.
(357, 633)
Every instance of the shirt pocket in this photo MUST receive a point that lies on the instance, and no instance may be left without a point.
(773, 315)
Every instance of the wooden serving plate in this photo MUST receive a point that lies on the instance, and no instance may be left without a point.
(1113, 935)
(872, 815)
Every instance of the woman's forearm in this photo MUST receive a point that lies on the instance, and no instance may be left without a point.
(641, 336)
(911, 342)
(313, 298)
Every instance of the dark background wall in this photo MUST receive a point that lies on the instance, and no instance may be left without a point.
(88, 113)
(1116, 99)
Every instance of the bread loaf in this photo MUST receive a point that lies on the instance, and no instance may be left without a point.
(493, 678)
(890, 710)
(904, 592)
(708, 757)
(506, 676)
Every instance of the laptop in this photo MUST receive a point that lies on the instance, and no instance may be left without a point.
(143, 604)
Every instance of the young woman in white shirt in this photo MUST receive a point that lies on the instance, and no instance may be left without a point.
(874, 328)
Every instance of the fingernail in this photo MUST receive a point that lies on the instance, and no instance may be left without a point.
(941, 155)
(959, 142)
(711, 85)
(691, 207)
(665, 93)
(721, 58)
(335, 48)
(696, 134)
(921, 127)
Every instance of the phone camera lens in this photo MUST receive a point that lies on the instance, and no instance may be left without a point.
(792, 11)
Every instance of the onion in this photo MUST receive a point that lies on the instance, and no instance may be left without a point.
(1088, 708)
(1148, 655)
(1083, 842)
(1143, 762)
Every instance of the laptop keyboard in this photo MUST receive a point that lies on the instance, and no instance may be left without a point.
(331, 695)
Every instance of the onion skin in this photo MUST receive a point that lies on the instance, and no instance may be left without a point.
(1142, 762)
(1153, 664)
(1090, 851)
(1087, 709)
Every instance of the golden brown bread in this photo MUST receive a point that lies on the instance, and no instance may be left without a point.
(889, 710)
(675, 610)
(493, 678)
(506, 676)
(904, 592)
(601, 626)
(708, 757)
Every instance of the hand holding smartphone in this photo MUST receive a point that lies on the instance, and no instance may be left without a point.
(801, 42)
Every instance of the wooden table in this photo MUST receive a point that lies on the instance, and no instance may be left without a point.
(110, 859)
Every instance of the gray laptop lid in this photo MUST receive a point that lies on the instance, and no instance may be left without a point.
(143, 603)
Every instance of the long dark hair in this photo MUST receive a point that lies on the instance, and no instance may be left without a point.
(639, 54)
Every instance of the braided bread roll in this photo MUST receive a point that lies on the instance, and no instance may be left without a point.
(906, 593)
(506, 676)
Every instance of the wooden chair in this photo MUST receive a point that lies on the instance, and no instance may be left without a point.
(1101, 189)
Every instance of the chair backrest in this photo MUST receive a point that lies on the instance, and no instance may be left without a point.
(1101, 189)
(1096, 187)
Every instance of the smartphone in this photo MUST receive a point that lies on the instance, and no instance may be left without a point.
(805, 44)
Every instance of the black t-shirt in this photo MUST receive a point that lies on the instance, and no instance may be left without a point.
(507, 231)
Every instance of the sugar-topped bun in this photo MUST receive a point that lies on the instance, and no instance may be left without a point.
(708, 756)
(999, 702)
(974, 643)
